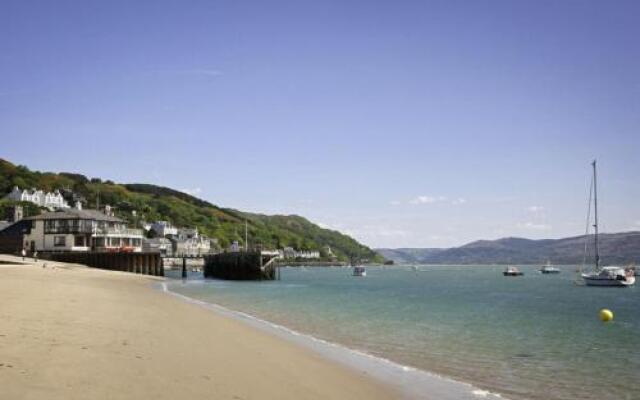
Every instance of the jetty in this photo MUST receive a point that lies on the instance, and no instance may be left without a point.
(241, 266)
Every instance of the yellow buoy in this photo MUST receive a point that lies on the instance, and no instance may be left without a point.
(606, 315)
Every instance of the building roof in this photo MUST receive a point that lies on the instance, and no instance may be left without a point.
(4, 224)
(76, 214)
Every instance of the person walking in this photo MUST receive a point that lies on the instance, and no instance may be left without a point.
(35, 256)
(24, 253)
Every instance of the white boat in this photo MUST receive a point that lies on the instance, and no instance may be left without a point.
(548, 269)
(512, 271)
(602, 276)
(610, 276)
(359, 271)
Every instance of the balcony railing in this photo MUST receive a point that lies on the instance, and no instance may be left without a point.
(68, 229)
(127, 232)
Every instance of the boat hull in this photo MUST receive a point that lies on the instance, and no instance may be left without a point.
(513, 273)
(599, 281)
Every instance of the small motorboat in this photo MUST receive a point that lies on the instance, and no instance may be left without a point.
(512, 271)
(359, 271)
(548, 269)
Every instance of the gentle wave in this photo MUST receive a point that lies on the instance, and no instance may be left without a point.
(412, 382)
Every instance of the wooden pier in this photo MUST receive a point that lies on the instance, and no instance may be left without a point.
(137, 263)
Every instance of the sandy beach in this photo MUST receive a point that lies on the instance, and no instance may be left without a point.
(71, 332)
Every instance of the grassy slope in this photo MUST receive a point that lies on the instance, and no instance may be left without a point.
(159, 203)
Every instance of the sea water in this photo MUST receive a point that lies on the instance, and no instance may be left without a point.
(531, 337)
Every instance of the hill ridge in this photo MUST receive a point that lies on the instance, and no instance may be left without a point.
(615, 248)
(154, 202)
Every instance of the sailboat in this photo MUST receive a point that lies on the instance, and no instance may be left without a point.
(602, 276)
(548, 269)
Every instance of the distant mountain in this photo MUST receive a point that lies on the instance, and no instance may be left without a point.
(615, 248)
(409, 255)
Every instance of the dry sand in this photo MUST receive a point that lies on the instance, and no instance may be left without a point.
(79, 333)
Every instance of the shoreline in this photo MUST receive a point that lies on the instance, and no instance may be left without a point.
(73, 332)
(412, 382)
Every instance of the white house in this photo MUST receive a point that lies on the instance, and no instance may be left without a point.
(158, 245)
(188, 233)
(194, 246)
(51, 200)
(81, 230)
(164, 228)
(290, 252)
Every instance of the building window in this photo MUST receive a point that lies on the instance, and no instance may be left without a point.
(59, 241)
(79, 241)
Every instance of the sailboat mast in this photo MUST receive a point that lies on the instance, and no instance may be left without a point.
(595, 207)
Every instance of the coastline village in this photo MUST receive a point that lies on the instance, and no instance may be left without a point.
(63, 228)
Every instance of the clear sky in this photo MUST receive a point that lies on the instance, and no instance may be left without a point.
(402, 123)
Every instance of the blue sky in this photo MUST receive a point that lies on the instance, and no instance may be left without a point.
(425, 124)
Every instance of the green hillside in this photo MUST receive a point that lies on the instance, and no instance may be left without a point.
(152, 203)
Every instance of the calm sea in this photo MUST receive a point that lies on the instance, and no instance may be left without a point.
(531, 337)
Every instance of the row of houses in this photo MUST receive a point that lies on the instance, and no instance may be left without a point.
(71, 229)
(288, 253)
(172, 241)
(50, 200)
(75, 229)
(291, 253)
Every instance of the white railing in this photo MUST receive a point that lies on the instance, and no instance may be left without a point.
(118, 232)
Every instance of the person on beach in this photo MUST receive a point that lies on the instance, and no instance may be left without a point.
(24, 253)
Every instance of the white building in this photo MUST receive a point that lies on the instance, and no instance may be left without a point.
(291, 253)
(235, 247)
(164, 228)
(38, 197)
(188, 233)
(158, 245)
(81, 230)
(193, 247)
(51, 200)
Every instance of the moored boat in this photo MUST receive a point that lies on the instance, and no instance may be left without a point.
(602, 276)
(359, 271)
(512, 271)
(548, 269)
(610, 276)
